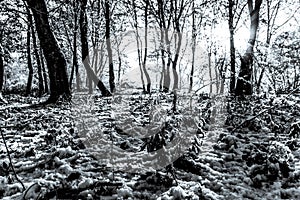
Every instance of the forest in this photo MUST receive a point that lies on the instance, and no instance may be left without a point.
(149, 99)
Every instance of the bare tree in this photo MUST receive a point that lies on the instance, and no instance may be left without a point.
(233, 13)
(75, 66)
(146, 46)
(244, 85)
(56, 63)
(85, 53)
(29, 62)
(1, 69)
(108, 45)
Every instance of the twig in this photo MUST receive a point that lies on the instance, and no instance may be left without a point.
(25, 193)
(10, 161)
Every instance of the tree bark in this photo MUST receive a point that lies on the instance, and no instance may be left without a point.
(108, 46)
(232, 46)
(29, 62)
(38, 62)
(146, 46)
(193, 48)
(56, 63)
(138, 44)
(210, 72)
(84, 41)
(164, 43)
(85, 54)
(75, 63)
(44, 72)
(1, 71)
(179, 42)
(244, 85)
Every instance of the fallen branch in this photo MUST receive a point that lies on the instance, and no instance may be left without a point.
(10, 161)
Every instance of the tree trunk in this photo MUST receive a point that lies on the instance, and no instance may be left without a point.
(167, 78)
(44, 72)
(164, 42)
(29, 63)
(162, 77)
(179, 41)
(210, 72)
(146, 46)
(138, 46)
(232, 46)
(56, 62)
(217, 75)
(75, 63)
(84, 41)
(85, 58)
(193, 48)
(271, 16)
(38, 62)
(1, 70)
(244, 85)
(108, 46)
(120, 66)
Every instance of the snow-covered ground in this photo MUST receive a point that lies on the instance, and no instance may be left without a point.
(249, 151)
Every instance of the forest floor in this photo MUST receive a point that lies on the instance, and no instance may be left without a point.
(250, 150)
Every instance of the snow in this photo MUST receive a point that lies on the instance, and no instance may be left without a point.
(227, 165)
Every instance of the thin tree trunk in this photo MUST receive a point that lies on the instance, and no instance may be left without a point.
(56, 63)
(146, 46)
(85, 58)
(75, 61)
(179, 42)
(162, 77)
(271, 16)
(167, 78)
(108, 46)
(120, 66)
(175, 74)
(138, 45)
(217, 75)
(1, 71)
(164, 42)
(244, 85)
(232, 47)
(84, 41)
(210, 71)
(29, 63)
(193, 48)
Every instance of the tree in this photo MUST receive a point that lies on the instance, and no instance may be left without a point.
(232, 14)
(265, 62)
(108, 46)
(139, 43)
(36, 54)
(56, 63)
(1, 73)
(244, 85)
(1, 69)
(194, 35)
(170, 17)
(75, 63)
(83, 23)
(232, 47)
(146, 47)
(29, 62)
(85, 53)
(1, 61)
